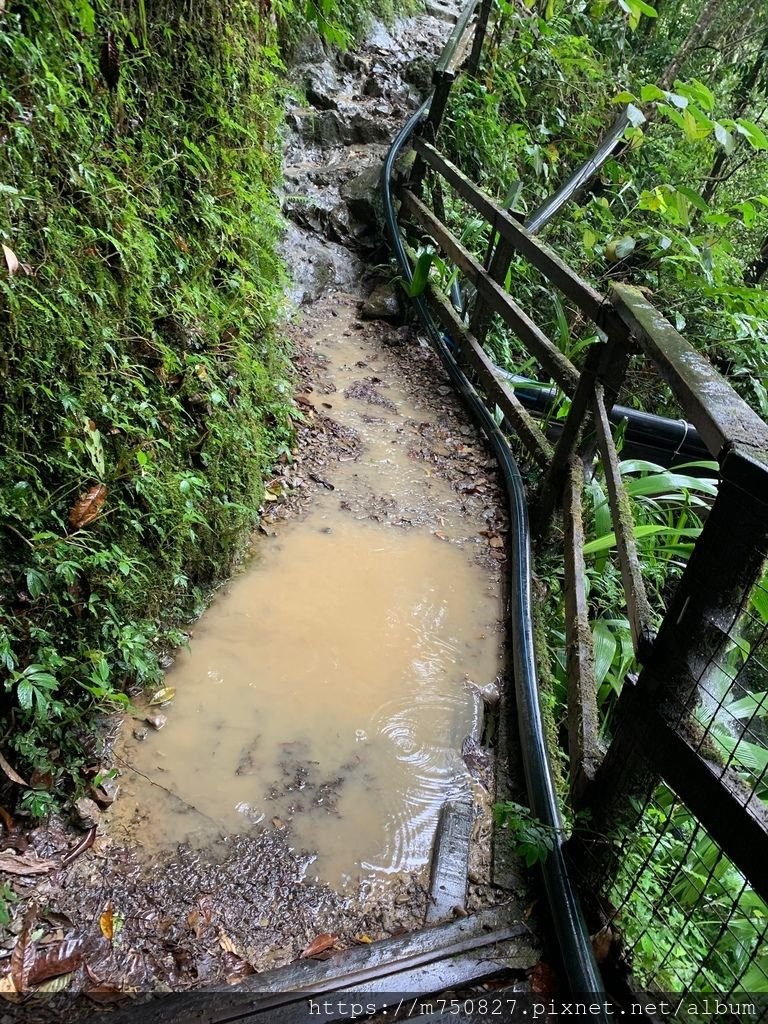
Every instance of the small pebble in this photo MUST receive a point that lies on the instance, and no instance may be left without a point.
(140, 733)
(156, 721)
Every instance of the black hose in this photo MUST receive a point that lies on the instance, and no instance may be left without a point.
(569, 926)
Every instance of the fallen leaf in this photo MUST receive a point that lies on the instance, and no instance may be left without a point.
(496, 542)
(163, 696)
(58, 984)
(8, 989)
(87, 506)
(543, 980)
(319, 945)
(11, 261)
(23, 955)
(11, 772)
(601, 943)
(441, 536)
(227, 944)
(25, 865)
(106, 994)
(7, 819)
(365, 939)
(85, 844)
(107, 922)
(62, 958)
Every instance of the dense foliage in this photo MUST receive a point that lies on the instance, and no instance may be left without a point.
(681, 209)
(146, 389)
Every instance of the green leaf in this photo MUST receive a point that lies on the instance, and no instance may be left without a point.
(642, 531)
(605, 646)
(754, 135)
(624, 97)
(753, 704)
(651, 93)
(421, 270)
(635, 115)
(693, 197)
(24, 694)
(724, 138)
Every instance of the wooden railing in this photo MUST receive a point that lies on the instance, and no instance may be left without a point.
(653, 727)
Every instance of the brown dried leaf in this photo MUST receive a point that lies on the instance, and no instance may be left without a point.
(364, 939)
(11, 261)
(25, 865)
(11, 772)
(57, 984)
(227, 944)
(319, 945)
(601, 943)
(62, 958)
(7, 819)
(107, 922)
(23, 955)
(85, 844)
(87, 507)
(543, 980)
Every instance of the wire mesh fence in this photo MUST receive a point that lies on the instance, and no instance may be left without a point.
(687, 919)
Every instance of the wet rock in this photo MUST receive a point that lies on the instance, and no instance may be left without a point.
(106, 792)
(489, 693)
(361, 194)
(382, 304)
(380, 37)
(140, 733)
(88, 811)
(419, 72)
(321, 86)
(157, 721)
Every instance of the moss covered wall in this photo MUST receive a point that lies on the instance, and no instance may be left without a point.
(144, 389)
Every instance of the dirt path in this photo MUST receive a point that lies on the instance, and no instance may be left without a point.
(193, 899)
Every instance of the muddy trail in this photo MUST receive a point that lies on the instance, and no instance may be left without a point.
(288, 783)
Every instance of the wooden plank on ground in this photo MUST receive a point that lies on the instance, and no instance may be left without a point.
(707, 399)
(495, 387)
(638, 606)
(560, 369)
(583, 725)
(537, 252)
(450, 861)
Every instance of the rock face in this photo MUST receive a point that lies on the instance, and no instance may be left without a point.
(346, 109)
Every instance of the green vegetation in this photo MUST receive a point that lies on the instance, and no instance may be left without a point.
(146, 390)
(681, 210)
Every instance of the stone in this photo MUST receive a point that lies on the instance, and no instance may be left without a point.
(106, 792)
(382, 304)
(321, 86)
(419, 72)
(361, 194)
(157, 721)
(140, 733)
(87, 811)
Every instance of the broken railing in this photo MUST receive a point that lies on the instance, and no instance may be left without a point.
(667, 728)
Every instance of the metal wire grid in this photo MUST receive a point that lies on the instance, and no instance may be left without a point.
(689, 920)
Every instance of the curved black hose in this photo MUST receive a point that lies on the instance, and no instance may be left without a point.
(569, 926)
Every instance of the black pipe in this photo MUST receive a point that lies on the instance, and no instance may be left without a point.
(569, 926)
(677, 441)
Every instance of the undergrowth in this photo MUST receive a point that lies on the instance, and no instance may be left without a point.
(146, 390)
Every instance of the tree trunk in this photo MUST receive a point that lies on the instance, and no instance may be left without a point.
(750, 77)
(698, 30)
(759, 265)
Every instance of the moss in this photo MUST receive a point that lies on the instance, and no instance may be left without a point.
(139, 354)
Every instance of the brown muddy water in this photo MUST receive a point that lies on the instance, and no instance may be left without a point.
(328, 690)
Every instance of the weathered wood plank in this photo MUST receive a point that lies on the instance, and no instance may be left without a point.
(496, 389)
(638, 606)
(501, 257)
(583, 724)
(562, 371)
(382, 966)
(537, 252)
(554, 478)
(707, 399)
(450, 861)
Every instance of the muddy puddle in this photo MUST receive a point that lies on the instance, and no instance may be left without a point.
(328, 690)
